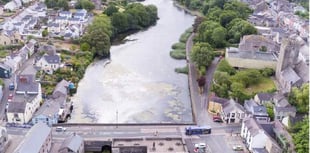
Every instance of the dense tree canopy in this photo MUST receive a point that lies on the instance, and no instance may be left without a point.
(135, 17)
(300, 98)
(202, 54)
(110, 10)
(85, 4)
(57, 4)
(238, 28)
(98, 36)
(300, 133)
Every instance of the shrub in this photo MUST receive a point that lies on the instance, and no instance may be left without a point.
(182, 70)
(178, 46)
(178, 54)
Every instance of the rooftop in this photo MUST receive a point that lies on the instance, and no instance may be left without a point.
(73, 143)
(265, 56)
(35, 138)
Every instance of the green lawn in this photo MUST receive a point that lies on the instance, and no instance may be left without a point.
(266, 84)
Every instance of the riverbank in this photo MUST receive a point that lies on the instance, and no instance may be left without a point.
(194, 13)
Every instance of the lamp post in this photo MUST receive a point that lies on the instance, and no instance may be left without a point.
(116, 118)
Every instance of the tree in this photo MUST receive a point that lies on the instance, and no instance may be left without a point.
(98, 36)
(44, 33)
(241, 8)
(85, 4)
(226, 16)
(247, 77)
(221, 84)
(85, 46)
(111, 10)
(237, 93)
(218, 37)
(238, 28)
(301, 135)
(63, 4)
(300, 98)
(224, 66)
(202, 54)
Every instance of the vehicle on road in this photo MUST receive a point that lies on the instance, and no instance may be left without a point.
(217, 119)
(60, 129)
(196, 130)
(237, 148)
(11, 86)
(200, 145)
(10, 97)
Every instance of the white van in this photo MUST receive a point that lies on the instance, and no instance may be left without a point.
(60, 129)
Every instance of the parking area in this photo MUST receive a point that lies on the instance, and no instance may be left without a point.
(235, 142)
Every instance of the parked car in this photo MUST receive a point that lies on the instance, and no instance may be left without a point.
(11, 86)
(10, 97)
(200, 145)
(217, 119)
(237, 148)
(60, 129)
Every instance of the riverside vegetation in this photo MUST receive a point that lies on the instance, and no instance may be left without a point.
(96, 42)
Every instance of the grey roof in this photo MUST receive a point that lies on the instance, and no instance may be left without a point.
(259, 110)
(265, 96)
(61, 18)
(232, 105)
(290, 75)
(302, 70)
(52, 59)
(74, 19)
(219, 100)
(49, 108)
(61, 87)
(35, 138)
(27, 83)
(249, 104)
(68, 35)
(73, 143)
(252, 126)
(79, 14)
(24, 98)
(17, 107)
(65, 12)
(265, 56)
(49, 49)
(259, 150)
(285, 109)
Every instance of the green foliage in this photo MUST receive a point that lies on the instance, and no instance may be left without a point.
(247, 77)
(226, 16)
(267, 72)
(202, 54)
(300, 134)
(300, 98)
(213, 33)
(44, 33)
(183, 70)
(110, 10)
(221, 84)
(98, 36)
(263, 49)
(135, 17)
(304, 15)
(238, 28)
(224, 66)
(85, 4)
(85, 46)
(57, 4)
(270, 112)
(184, 37)
(239, 7)
(178, 54)
(178, 45)
(202, 71)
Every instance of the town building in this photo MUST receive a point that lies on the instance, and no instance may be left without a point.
(4, 139)
(259, 112)
(232, 112)
(49, 63)
(37, 140)
(72, 144)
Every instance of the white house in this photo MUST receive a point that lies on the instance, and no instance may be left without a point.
(53, 28)
(232, 112)
(66, 14)
(256, 137)
(61, 20)
(49, 63)
(13, 5)
(47, 113)
(26, 101)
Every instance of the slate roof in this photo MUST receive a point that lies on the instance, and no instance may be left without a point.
(49, 49)
(26, 83)
(259, 150)
(35, 138)
(302, 70)
(73, 143)
(259, 110)
(61, 87)
(16, 107)
(280, 100)
(49, 108)
(232, 105)
(249, 104)
(219, 100)
(290, 75)
(264, 96)
(285, 109)
(265, 56)
(52, 59)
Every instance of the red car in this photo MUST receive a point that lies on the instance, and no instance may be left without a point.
(10, 98)
(217, 119)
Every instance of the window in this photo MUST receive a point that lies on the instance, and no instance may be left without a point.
(15, 115)
(228, 115)
(232, 114)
